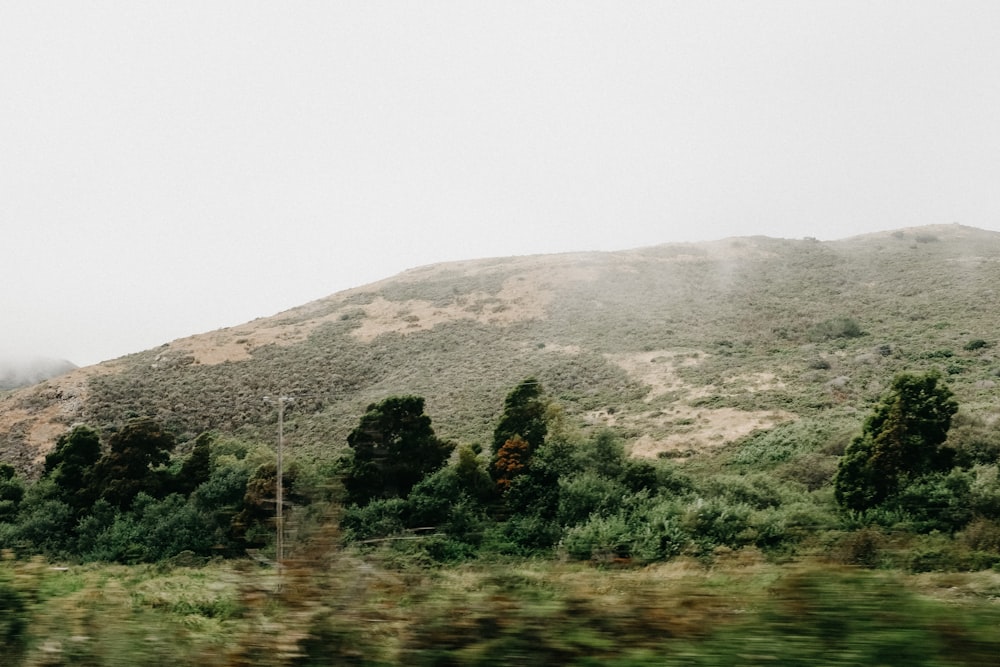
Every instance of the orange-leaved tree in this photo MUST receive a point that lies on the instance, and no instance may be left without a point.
(511, 460)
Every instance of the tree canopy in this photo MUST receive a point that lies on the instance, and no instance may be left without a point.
(902, 441)
(519, 433)
(394, 448)
(523, 415)
(134, 462)
(71, 465)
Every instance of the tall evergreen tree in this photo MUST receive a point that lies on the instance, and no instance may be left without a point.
(523, 415)
(902, 440)
(519, 433)
(197, 467)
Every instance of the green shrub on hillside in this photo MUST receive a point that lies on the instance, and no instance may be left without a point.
(837, 327)
(785, 442)
(152, 531)
(974, 440)
(603, 538)
(588, 493)
(976, 344)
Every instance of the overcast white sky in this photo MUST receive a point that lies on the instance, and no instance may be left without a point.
(175, 167)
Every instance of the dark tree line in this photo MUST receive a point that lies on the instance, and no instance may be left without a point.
(132, 497)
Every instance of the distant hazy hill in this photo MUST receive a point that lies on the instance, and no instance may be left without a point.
(15, 373)
(681, 347)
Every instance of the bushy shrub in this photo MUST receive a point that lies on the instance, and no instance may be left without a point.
(671, 481)
(784, 442)
(976, 344)
(604, 455)
(936, 502)
(639, 475)
(809, 516)
(658, 532)
(522, 535)
(769, 530)
(153, 531)
(379, 518)
(715, 522)
(587, 494)
(982, 535)
(757, 492)
(984, 491)
(535, 492)
(44, 526)
(974, 440)
(818, 364)
(601, 538)
(473, 477)
(466, 522)
(837, 327)
(431, 500)
(92, 530)
(223, 492)
(659, 538)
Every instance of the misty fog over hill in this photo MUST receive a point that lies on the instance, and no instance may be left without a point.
(23, 372)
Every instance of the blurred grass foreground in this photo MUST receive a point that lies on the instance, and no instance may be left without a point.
(343, 609)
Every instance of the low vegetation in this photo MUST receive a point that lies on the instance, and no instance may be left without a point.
(344, 610)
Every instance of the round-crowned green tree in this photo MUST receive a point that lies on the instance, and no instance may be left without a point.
(902, 441)
(394, 448)
(135, 461)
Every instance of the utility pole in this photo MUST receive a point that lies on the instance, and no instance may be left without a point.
(279, 491)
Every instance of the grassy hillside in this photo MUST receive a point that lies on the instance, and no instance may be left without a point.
(740, 370)
(683, 347)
